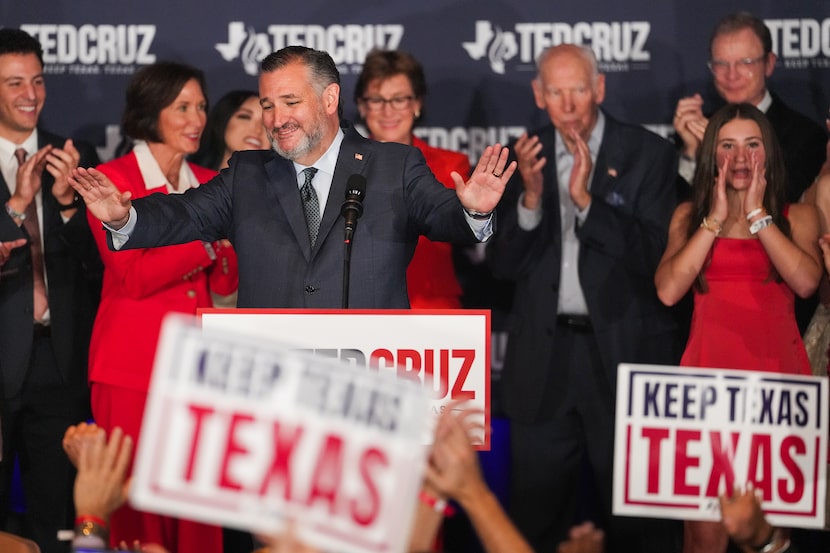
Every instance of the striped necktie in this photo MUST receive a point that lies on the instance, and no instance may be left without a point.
(41, 299)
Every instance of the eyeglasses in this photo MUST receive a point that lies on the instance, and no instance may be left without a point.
(742, 67)
(376, 103)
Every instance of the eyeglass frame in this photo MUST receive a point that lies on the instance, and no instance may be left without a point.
(377, 103)
(740, 65)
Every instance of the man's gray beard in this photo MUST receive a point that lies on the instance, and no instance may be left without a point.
(309, 143)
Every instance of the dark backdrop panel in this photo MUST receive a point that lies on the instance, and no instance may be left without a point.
(478, 54)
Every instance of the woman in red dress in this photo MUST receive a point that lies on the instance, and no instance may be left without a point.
(745, 254)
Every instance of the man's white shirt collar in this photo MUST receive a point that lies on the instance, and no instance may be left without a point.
(327, 162)
(765, 102)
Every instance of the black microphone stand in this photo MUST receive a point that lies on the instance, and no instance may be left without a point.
(351, 211)
(347, 265)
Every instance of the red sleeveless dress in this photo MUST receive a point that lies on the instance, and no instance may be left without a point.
(746, 320)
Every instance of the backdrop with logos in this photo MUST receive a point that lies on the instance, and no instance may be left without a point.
(478, 54)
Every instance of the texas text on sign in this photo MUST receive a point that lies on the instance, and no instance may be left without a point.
(242, 433)
(685, 435)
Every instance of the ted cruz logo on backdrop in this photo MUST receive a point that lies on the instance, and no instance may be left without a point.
(469, 140)
(93, 49)
(801, 43)
(347, 44)
(618, 45)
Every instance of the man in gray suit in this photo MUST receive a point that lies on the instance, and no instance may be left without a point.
(281, 208)
(582, 226)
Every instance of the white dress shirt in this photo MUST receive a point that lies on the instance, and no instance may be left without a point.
(571, 296)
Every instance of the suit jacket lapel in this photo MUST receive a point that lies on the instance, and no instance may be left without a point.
(354, 153)
(8, 229)
(351, 160)
(551, 196)
(4, 190)
(607, 163)
(50, 217)
(286, 193)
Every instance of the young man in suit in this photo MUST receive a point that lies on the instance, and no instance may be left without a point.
(582, 226)
(50, 277)
(281, 209)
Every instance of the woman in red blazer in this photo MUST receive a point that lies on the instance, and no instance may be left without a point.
(389, 95)
(165, 115)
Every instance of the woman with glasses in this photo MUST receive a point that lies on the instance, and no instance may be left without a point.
(389, 95)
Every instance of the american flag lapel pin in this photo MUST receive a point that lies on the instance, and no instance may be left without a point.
(612, 172)
(358, 156)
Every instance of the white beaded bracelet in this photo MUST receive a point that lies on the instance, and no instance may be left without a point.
(760, 224)
(753, 213)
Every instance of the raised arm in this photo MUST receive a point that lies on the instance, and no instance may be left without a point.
(797, 258)
(690, 124)
(483, 190)
(684, 256)
(453, 470)
(102, 197)
(683, 259)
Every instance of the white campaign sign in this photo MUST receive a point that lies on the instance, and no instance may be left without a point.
(241, 432)
(446, 351)
(685, 435)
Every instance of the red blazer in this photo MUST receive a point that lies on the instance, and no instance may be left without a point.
(430, 277)
(142, 286)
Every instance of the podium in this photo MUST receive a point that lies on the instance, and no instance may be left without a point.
(446, 350)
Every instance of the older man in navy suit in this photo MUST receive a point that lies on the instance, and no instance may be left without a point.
(281, 208)
(582, 226)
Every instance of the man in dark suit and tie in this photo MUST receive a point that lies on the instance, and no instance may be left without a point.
(266, 201)
(582, 226)
(50, 277)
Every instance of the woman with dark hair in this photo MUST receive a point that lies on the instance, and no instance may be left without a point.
(234, 123)
(390, 96)
(746, 254)
(165, 115)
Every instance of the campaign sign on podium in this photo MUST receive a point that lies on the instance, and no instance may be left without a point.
(686, 435)
(446, 351)
(244, 433)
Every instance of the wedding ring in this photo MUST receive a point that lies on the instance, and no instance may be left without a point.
(497, 175)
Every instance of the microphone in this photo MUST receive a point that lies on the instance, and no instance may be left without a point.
(352, 208)
(351, 211)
